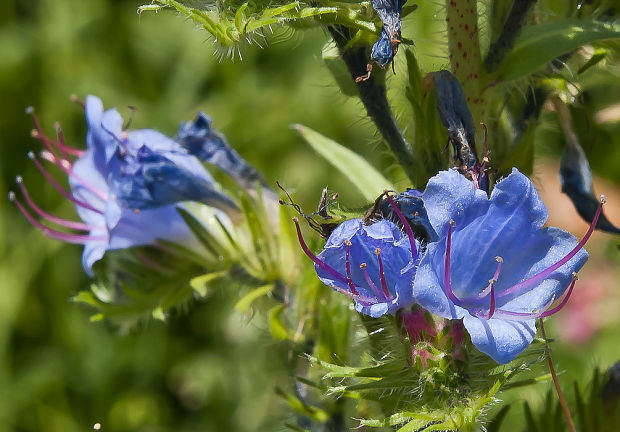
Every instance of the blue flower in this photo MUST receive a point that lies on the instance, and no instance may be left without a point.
(372, 264)
(125, 187)
(495, 266)
(203, 141)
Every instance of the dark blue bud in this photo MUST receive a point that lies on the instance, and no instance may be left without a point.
(203, 141)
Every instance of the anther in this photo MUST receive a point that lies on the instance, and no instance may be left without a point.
(29, 110)
(603, 199)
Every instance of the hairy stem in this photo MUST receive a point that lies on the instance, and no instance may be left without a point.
(464, 48)
(510, 31)
(565, 410)
(374, 97)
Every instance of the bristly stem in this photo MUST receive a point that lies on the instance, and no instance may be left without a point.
(510, 31)
(374, 97)
(464, 49)
(565, 409)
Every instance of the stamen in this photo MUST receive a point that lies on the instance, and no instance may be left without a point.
(54, 219)
(564, 300)
(446, 275)
(348, 268)
(369, 281)
(65, 166)
(59, 188)
(37, 132)
(65, 149)
(51, 233)
(543, 274)
(403, 220)
(382, 275)
(323, 265)
(492, 289)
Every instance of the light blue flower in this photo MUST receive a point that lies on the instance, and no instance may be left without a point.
(495, 266)
(125, 187)
(372, 264)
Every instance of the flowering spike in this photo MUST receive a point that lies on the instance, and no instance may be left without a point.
(348, 267)
(51, 233)
(59, 188)
(403, 220)
(313, 257)
(543, 274)
(382, 274)
(54, 219)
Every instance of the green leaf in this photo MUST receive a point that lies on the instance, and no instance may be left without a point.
(200, 284)
(496, 423)
(364, 176)
(338, 69)
(309, 411)
(277, 327)
(539, 44)
(245, 303)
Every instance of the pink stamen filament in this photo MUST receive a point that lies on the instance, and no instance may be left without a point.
(370, 283)
(54, 219)
(54, 234)
(323, 265)
(65, 166)
(543, 274)
(382, 275)
(546, 311)
(491, 287)
(446, 275)
(37, 132)
(65, 149)
(348, 267)
(403, 220)
(59, 188)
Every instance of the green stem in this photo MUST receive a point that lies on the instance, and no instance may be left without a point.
(511, 29)
(464, 49)
(374, 97)
(558, 389)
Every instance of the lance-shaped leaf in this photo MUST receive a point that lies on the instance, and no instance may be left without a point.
(364, 176)
(539, 44)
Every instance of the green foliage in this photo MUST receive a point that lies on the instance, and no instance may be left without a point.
(539, 44)
(368, 181)
(231, 23)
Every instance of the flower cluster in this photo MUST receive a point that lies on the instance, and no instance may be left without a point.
(126, 186)
(489, 261)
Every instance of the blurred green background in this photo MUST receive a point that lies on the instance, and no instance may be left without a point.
(207, 368)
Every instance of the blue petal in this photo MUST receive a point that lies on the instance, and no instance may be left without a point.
(449, 195)
(101, 139)
(145, 227)
(501, 340)
(93, 251)
(428, 286)
(557, 244)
